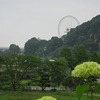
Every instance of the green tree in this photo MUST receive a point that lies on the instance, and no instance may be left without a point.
(95, 56)
(18, 67)
(31, 46)
(43, 74)
(67, 54)
(53, 44)
(58, 69)
(14, 49)
(80, 54)
(89, 71)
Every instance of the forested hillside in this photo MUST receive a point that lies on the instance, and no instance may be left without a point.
(42, 47)
(87, 34)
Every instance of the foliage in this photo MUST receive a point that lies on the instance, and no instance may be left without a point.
(43, 74)
(81, 89)
(36, 47)
(97, 87)
(31, 46)
(86, 34)
(25, 82)
(53, 44)
(95, 56)
(89, 71)
(80, 54)
(47, 98)
(86, 70)
(58, 70)
(14, 49)
(67, 54)
(18, 67)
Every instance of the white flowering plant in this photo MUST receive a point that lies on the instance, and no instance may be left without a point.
(47, 98)
(88, 71)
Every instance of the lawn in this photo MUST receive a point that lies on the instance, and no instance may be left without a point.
(34, 95)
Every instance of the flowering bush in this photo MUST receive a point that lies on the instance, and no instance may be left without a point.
(47, 98)
(86, 70)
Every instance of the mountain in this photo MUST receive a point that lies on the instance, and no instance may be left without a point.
(43, 48)
(86, 34)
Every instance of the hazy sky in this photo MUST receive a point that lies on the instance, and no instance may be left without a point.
(21, 20)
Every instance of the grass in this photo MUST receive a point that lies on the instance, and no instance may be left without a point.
(34, 95)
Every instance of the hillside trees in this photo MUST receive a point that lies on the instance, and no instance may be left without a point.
(14, 49)
(67, 54)
(80, 54)
(33, 46)
(54, 44)
(87, 34)
(36, 47)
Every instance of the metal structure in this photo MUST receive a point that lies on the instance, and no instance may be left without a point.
(66, 24)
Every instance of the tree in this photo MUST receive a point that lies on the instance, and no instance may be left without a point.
(67, 54)
(89, 71)
(19, 67)
(43, 74)
(58, 69)
(11, 70)
(94, 56)
(14, 49)
(31, 46)
(36, 46)
(1, 60)
(54, 44)
(80, 54)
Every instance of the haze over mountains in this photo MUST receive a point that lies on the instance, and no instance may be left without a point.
(86, 34)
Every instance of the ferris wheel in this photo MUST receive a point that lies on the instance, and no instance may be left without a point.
(66, 24)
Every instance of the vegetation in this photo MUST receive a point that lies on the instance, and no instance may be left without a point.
(35, 95)
(87, 34)
(47, 98)
(15, 68)
(88, 71)
(50, 63)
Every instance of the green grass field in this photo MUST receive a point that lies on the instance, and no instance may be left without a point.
(34, 95)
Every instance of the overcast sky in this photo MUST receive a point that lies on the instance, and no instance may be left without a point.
(21, 20)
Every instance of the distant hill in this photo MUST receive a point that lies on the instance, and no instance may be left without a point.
(87, 34)
(43, 48)
(2, 49)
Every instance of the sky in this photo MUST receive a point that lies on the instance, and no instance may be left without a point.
(21, 20)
